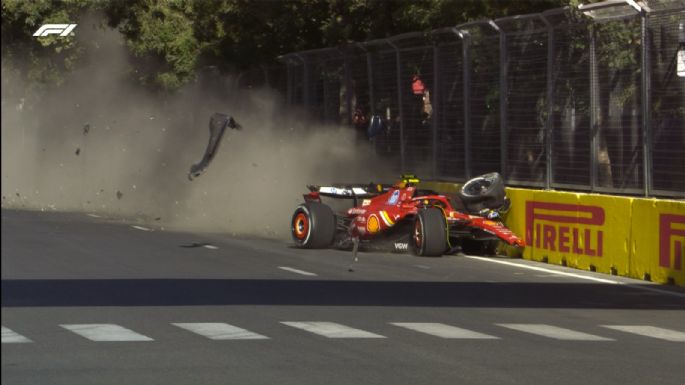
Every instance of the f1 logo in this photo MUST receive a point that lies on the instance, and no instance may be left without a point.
(54, 29)
(670, 235)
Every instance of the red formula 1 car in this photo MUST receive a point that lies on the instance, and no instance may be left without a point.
(402, 217)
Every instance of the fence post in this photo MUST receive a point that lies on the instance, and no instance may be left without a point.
(503, 98)
(348, 86)
(399, 102)
(305, 83)
(369, 75)
(594, 126)
(466, 52)
(289, 84)
(549, 125)
(646, 85)
(435, 98)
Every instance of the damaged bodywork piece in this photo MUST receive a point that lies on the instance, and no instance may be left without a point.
(218, 123)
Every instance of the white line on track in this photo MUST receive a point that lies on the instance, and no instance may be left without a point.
(211, 247)
(579, 276)
(332, 330)
(554, 332)
(220, 331)
(94, 216)
(141, 228)
(443, 331)
(650, 331)
(543, 269)
(9, 336)
(296, 271)
(106, 332)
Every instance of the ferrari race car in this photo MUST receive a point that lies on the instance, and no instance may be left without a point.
(402, 217)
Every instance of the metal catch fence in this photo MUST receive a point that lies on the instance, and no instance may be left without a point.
(587, 99)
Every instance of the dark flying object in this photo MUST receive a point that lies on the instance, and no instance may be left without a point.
(217, 127)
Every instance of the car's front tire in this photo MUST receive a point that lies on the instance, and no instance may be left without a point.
(430, 233)
(313, 225)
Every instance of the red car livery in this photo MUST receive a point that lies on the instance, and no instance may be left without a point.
(403, 217)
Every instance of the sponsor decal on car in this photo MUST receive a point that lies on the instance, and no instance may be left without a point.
(394, 197)
(372, 224)
(366, 202)
(401, 246)
(356, 211)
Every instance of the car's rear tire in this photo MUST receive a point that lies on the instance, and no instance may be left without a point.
(430, 233)
(313, 225)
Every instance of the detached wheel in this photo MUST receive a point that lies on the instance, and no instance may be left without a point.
(430, 233)
(487, 189)
(313, 225)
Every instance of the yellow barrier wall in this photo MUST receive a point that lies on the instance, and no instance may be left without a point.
(633, 237)
(658, 242)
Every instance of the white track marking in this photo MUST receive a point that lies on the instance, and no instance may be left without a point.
(106, 332)
(550, 271)
(554, 332)
(94, 216)
(332, 330)
(580, 276)
(220, 331)
(443, 331)
(141, 228)
(9, 336)
(650, 331)
(211, 247)
(296, 271)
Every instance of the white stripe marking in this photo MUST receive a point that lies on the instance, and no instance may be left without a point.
(443, 331)
(211, 247)
(332, 330)
(609, 281)
(296, 271)
(93, 215)
(554, 332)
(220, 331)
(650, 331)
(9, 336)
(106, 332)
(543, 269)
(141, 228)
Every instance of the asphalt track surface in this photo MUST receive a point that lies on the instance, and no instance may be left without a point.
(89, 300)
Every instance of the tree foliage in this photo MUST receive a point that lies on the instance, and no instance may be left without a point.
(44, 59)
(169, 39)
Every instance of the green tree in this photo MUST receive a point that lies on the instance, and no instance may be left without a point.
(42, 59)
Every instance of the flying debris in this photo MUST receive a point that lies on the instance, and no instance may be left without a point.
(217, 127)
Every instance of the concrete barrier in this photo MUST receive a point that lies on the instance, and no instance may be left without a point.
(633, 237)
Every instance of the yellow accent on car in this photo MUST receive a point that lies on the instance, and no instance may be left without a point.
(386, 218)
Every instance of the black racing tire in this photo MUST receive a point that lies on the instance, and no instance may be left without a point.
(429, 238)
(313, 226)
(487, 189)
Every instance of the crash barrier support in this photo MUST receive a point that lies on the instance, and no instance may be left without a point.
(633, 237)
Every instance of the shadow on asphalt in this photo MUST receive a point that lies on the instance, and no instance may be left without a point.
(196, 292)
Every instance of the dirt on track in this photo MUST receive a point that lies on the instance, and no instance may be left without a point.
(100, 144)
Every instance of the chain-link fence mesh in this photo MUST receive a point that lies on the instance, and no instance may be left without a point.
(586, 100)
(448, 104)
(667, 101)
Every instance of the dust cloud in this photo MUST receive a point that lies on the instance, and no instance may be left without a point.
(99, 144)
